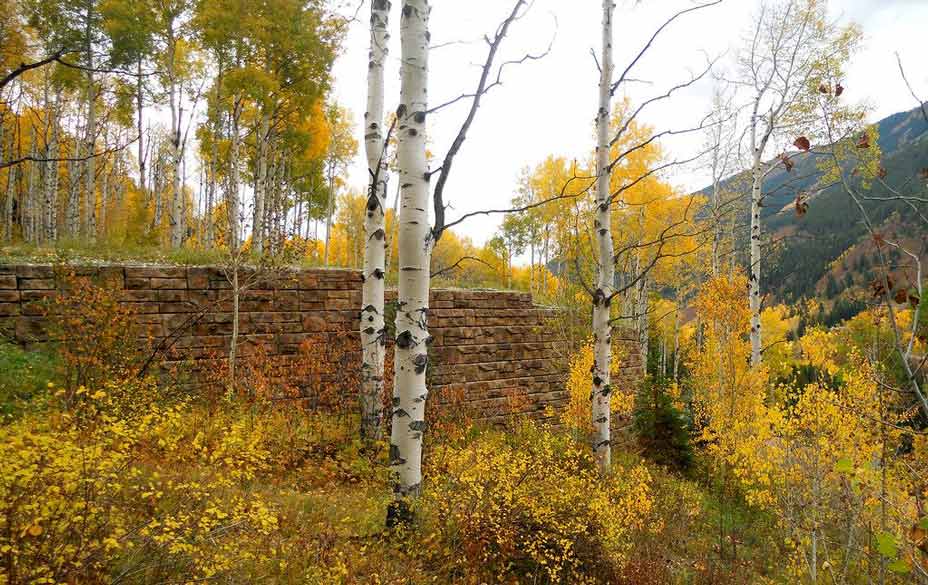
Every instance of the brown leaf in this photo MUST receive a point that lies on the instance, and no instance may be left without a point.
(881, 173)
(802, 206)
(802, 143)
(787, 163)
(914, 300)
(878, 286)
(878, 239)
(901, 296)
(839, 89)
(823, 88)
(864, 141)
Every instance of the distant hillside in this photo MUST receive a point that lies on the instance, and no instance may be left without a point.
(828, 243)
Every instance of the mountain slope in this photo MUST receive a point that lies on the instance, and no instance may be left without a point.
(804, 250)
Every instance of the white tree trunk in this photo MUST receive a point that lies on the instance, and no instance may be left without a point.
(30, 227)
(177, 154)
(755, 259)
(104, 196)
(50, 208)
(234, 212)
(716, 209)
(602, 227)
(329, 211)
(642, 316)
(10, 192)
(373, 332)
(258, 220)
(139, 105)
(415, 243)
(90, 172)
(211, 193)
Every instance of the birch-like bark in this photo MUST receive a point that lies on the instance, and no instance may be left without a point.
(50, 216)
(177, 151)
(90, 179)
(234, 213)
(329, 211)
(259, 222)
(141, 139)
(757, 179)
(104, 196)
(716, 207)
(158, 192)
(415, 243)
(10, 191)
(10, 195)
(31, 226)
(602, 226)
(211, 193)
(642, 320)
(373, 329)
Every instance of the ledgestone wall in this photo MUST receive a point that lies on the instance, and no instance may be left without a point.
(496, 351)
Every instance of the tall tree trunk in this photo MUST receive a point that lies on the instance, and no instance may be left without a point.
(642, 320)
(415, 246)
(531, 266)
(234, 213)
(90, 179)
(329, 210)
(177, 155)
(716, 209)
(32, 181)
(211, 193)
(544, 261)
(757, 177)
(259, 222)
(10, 192)
(602, 227)
(373, 330)
(104, 201)
(141, 138)
(50, 208)
(158, 193)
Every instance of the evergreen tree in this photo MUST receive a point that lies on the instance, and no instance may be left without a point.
(662, 429)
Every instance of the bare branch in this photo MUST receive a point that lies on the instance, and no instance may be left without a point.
(921, 103)
(458, 264)
(623, 77)
(31, 158)
(482, 88)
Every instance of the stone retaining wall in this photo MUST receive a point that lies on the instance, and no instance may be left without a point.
(496, 349)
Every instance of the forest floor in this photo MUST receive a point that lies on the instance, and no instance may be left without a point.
(134, 482)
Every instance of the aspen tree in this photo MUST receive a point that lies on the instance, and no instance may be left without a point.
(415, 246)
(88, 210)
(259, 224)
(417, 239)
(50, 208)
(792, 45)
(602, 227)
(373, 332)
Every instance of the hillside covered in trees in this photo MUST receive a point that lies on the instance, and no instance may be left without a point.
(235, 348)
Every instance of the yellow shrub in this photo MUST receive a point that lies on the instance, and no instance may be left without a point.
(576, 416)
(78, 502)
(531, 505)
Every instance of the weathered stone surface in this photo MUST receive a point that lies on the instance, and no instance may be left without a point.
(495, 347)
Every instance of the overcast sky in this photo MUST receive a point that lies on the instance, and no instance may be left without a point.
(547, 107)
